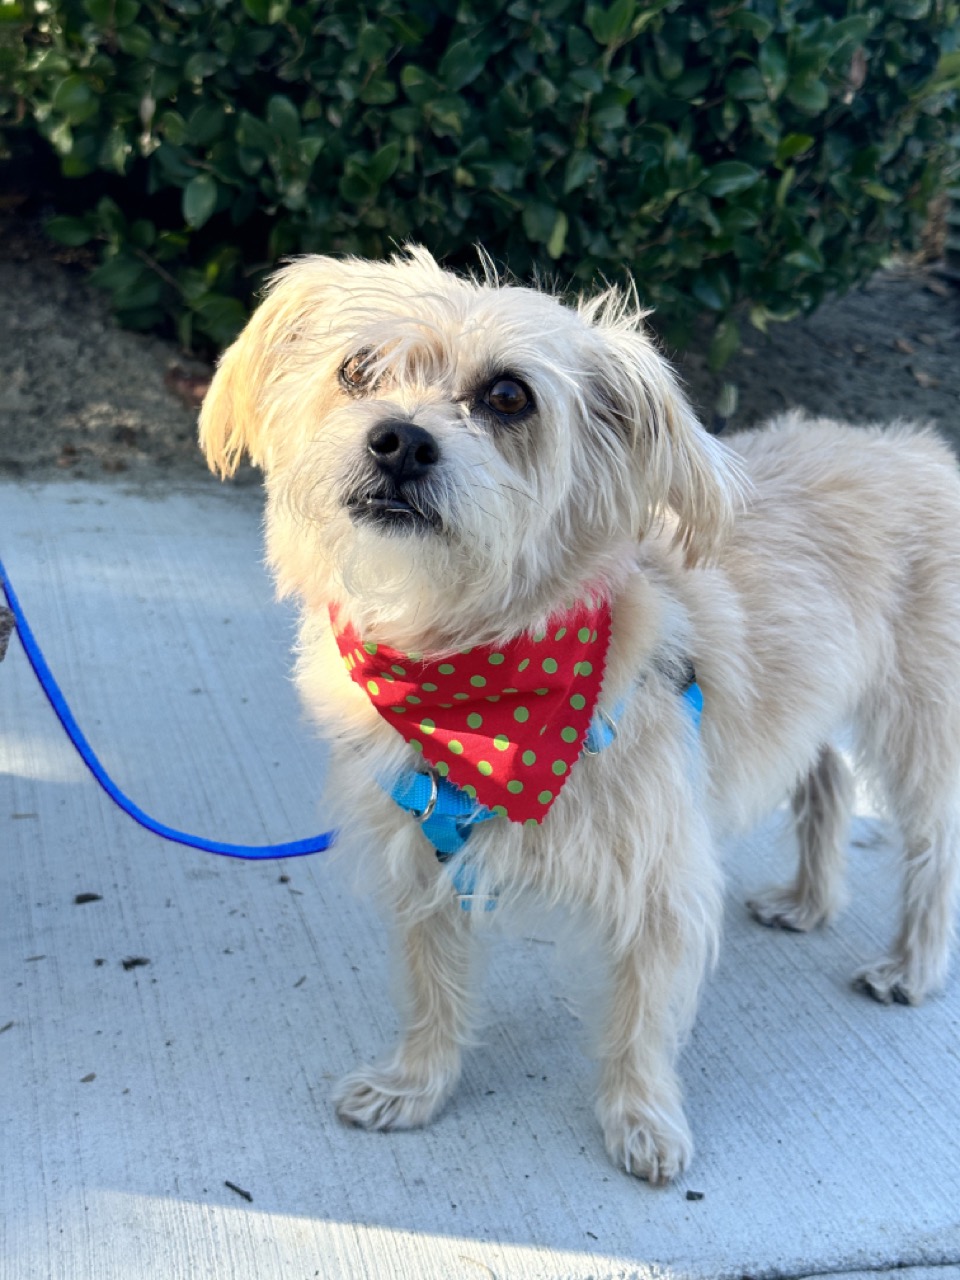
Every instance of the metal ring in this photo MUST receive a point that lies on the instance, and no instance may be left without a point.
(434, 795)
(611, 725)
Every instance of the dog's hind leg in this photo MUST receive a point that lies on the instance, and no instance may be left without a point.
(821, 810)
(407, 1089)
(920, 957)
(910, 730)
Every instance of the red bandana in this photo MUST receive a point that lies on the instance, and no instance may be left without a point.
(505, 724)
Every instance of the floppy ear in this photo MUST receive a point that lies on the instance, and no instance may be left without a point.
(682, 470)
(235, 415)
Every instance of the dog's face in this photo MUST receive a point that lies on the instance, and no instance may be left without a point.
(445, 455)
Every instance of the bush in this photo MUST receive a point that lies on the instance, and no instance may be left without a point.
(742, 155)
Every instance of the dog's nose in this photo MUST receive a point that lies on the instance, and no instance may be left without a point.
(401, 449)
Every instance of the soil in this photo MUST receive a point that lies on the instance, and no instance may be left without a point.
(80, 397)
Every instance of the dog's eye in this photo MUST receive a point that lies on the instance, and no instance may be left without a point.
(355, 372)
(508, 396)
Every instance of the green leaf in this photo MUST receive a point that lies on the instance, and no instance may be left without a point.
(773, 67)
(462, 63)
(558, 236)
(794, 144)
(729, 177)
(609, 26)
(580, 168)
(71, 231)
(539, 220)
(283, 118)
(74, 99)
(725, 342)
(384, 164)
(712, 288)
(810, 95)
(199, 199)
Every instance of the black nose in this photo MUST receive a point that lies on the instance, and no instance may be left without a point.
(402, 450)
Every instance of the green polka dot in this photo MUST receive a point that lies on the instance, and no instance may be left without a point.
(501, 742)
(412, 697)
(514, 786)
(484, 767)
(466, 651)
(499, 810)
(462, 697)
(495, 659)
(549, 665)
(539, 636)
(417, 746)
(493, 697)
(559, 767)
(398, 671)
(568, 734)
(445, 706)
(478, 682)
(399, 711)
(531, 822)
(385, 675)
(583, 669)
(443, 768)
(545, 797)
(560, 634)
(446, 668)
(583, 635)
(429, 688)
(474, 720)
(578, 702)
(373, 687)
(529, 757)
(511, 691)
(470, 791)
(541, 692)
(371, 649)
(593, 637)
(427, 726)
(415, 657)
(522, 666)
(455, 746)
(521, 715)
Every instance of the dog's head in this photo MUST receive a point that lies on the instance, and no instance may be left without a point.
(446, 454)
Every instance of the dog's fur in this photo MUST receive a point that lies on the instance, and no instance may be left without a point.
(810, 572)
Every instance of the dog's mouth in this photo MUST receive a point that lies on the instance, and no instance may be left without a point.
(390, 511)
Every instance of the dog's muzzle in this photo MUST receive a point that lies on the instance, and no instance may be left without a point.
(403, 456)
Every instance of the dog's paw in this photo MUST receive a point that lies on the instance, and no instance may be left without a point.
(888, 982)
(381, 1097)
(656, 1147)
(784, 908)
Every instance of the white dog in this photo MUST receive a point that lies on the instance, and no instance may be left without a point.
(512, 544)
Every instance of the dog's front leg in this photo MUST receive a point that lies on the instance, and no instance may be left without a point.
(639, 1105)
(409, 1087)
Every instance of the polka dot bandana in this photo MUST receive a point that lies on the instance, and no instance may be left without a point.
(505, 724)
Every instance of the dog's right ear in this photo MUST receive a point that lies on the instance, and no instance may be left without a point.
(235, 415)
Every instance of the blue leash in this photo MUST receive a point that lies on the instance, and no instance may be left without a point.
(294, 849)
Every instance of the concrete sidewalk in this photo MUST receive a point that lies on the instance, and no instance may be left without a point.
(828, 1128)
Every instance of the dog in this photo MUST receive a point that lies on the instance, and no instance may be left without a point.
(476, 482)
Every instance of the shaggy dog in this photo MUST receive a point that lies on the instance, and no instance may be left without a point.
(468, 476)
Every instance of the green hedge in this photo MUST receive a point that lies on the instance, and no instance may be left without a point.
(738, 157)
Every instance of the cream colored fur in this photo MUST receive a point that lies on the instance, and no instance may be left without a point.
(810, 571)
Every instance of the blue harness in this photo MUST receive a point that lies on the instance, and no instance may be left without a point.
(447, 815)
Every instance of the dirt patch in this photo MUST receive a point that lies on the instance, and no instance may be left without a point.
(80, 397)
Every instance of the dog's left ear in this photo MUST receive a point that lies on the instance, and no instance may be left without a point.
(681, 469)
